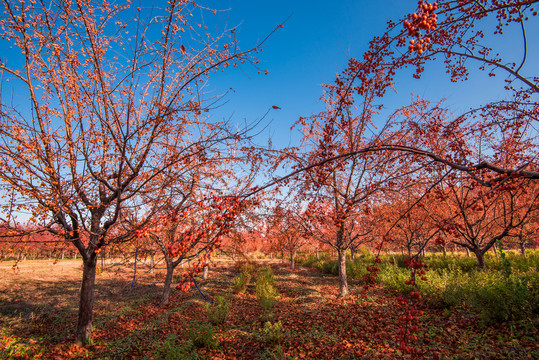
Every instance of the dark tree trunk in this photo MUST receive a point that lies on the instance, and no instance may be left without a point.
(480, 255)
(168, 281)
(343, 281)
(83, 334)
(352, 254)
(522, 249)
(444, 251)
(292, 260)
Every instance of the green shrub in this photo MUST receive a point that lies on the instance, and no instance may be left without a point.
(506, 290)
(218, 312)
(272, 333)
(267, 274)
(265, 290)
(171, 349)
(203, 335)
(240, 282)
(244, 267)
(507, 299)
(330, 267)
(272, 353)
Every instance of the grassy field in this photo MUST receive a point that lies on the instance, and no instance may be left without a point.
(261, 311)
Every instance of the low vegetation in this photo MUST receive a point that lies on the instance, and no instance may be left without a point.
(282, 314)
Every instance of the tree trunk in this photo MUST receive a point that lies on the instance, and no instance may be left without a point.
(352, 254)
(205, 271)
(495, 250)
(168, 281)
(444, 251)
(292, 260)
(317, 253)
(343, 281)
(467, 252)
(83, 334)
(152, 263)
(522, 249)
(480, 255)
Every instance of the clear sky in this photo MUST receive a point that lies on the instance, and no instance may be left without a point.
(314, 45)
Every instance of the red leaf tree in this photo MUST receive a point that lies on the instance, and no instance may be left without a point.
(113, 103)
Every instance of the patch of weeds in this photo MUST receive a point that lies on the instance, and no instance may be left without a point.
(272, 333)
(123, 347)
(240, 282)
(243, 267)
(173, 349)
(507, 299)
(272, 353)
(218, 312)
(265, 290)
(203, 336)
(13, 347)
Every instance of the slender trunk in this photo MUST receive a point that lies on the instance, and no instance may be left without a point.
(444, 251)
(352, 254)
(343, 281)
(205, 271)
(168, 281)
(282, 256)
(467, 252)
(495, 250)
(292, 260)
(152, 263)
(83, 334)
(522, 249)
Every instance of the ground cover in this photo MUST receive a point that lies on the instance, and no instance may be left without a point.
(280, 313)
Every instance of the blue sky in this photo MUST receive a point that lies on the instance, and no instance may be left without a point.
(314, 45)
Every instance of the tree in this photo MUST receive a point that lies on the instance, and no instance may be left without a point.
(190, 233)
(285, 231)
(452, 32)
(114, 106)
(481, 217)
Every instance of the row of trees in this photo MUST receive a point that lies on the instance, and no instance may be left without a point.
(116, 143)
